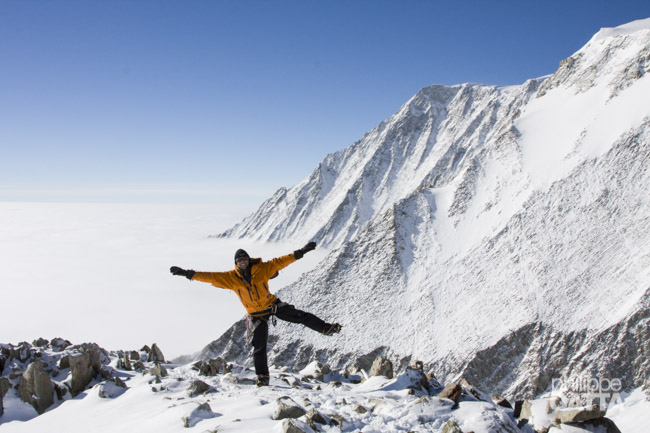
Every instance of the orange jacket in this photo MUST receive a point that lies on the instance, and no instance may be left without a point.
(255, 296)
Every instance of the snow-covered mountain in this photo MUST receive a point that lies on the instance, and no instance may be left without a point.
(498, 233)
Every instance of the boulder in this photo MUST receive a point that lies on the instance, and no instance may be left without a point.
(285, 407)
(203, 411)
(36, 387)
(210, 368)
(158, 370)
(134, 356)
(501, 401)
(41, 342)
(125, 362)
(314, 417)
(198, 387)
(84, 367)
(59, 344)
(5, 386)
(452, 391)
(296, 426)
(22, 352)
(451, 427)
(577, 414)
(382, 367)
(155, 354)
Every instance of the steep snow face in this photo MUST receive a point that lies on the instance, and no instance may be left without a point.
(498, 233)
(431, 139)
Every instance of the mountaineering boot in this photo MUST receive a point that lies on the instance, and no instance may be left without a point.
(263, 380)
(331, 329)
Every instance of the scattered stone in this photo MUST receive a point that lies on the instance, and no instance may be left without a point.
(59, 344)
(452, 391)
(382, 367)
(451, 427)
(198, 387)
(519, 404)
(64, 362)
(159, 371)
(210, 368)
(111, 389)
(125, 362)
(155, 354)
(5, 386)
(501, 401)
(60, 391)
(203, 411)
(578, 414)
(84, 367)
(145, 349)
(600, 425)
(296, 426)
(286, 407)
(22, 352)
(414, 379)
(36, 387)
(41, 342)
(314, 417)
(135, 356)
(359, 409)
(337, 420)
(433, 381)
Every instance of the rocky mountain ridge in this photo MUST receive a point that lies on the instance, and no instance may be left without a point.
(499, 233)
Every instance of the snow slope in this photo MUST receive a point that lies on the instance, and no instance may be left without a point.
(496, 233)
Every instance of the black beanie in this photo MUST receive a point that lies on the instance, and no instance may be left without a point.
(241, 253)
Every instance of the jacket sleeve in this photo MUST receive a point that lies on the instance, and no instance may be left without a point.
(278, 263)
(217, 279)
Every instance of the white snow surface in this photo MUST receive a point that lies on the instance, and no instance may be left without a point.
(379, 404)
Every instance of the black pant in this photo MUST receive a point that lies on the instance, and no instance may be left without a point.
(284, 312)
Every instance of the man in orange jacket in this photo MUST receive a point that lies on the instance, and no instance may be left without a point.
(250, 281)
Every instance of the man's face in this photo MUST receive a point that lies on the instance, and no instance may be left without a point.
(242, 263)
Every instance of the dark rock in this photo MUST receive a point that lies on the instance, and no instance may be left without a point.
(452, 391)
(64, 362)
(41, 342)
(155, 354)
(36, 387)
(295, 426)
(5, 386)
(579, 414)
(285, 407)
(197, 387)
(84, 367)
(159, 371)
(314, 417)
(203, 411)
(382, 367)
(59, 344)
(500, 401)
(451, 427)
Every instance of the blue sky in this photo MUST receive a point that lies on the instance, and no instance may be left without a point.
(215, 101)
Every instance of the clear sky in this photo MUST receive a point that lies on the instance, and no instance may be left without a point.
(209, 101)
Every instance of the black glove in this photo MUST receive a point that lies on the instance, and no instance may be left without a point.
(180, 271)
(304, 250)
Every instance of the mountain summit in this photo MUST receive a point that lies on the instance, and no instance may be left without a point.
(495, 233)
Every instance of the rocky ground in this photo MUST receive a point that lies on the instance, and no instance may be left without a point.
(49, 384)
